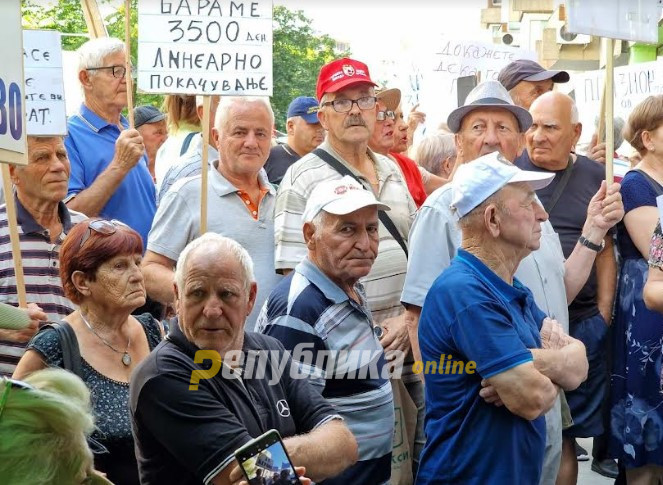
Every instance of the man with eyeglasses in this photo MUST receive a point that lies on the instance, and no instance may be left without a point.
(348, 113)
(109, 170)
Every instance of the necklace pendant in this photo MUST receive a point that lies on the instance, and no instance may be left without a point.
(126, 359)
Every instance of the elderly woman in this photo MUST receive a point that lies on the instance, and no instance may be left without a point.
(437, 154)
(100, 272)
(636, 402)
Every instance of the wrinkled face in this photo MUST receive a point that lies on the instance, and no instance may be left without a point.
(526, 92)
(552, 136)
(244, 142)
(400, 132)
(214, 302)
(105, 89)
(488, 130)
(346, 246)
(353, 127)
(119, 283)
(46, 176)
(154, 134)
(521, 220)
(382, 138)
(304, 137)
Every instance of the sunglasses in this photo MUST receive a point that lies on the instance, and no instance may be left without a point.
(101, 226)
(9, 385)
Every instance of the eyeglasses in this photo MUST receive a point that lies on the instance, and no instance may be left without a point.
(345, 105)
(117, 71)
(383, 115)
(9, 385)
(101, 226)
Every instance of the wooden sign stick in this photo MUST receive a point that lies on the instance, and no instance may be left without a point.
(127, 47)
(609, 112)
(13, 235)
(207, 101)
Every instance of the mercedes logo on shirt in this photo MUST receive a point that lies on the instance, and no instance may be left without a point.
(283, 408)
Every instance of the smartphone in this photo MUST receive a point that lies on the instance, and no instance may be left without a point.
(264, 461)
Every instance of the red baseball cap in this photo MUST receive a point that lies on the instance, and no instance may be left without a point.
(341, 73)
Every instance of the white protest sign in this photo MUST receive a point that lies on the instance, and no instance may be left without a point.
(205, 47)
(12, 106)
(44, 88)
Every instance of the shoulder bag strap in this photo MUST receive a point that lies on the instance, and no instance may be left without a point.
(560, 187)
(382, 215)
(71, 355)
(187, 142)
(654, 184)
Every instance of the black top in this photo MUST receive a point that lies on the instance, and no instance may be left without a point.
(568, 217)
(189, 436)
(280, 158)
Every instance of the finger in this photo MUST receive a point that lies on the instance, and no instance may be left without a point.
(600, 194)
(414, 108)
(593, 141)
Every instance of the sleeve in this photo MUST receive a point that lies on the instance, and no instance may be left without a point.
(201, 433)
(289, 246)
(656, 248)
(174, 225)
(433, 244)
(47, 343)
(636, 192)
(499, 347)
(77, 173)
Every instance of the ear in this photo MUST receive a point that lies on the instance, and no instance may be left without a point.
(84, 78)
(309, 230)
(13, 174)
(81, 283)
(577, 131)
(459, 143)
(199, 112)
(492, 221)
(290, 127)
(253, 292)
(215, 137)
(322, 116)
(645, 136)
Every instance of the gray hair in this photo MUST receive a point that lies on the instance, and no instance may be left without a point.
(227, 102)
(222, 244)
(617, 129)
(475, 216)
(433, 149)
(575, 117)
(93, 52)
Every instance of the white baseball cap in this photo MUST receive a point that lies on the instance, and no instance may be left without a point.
(475, 181)
(340, 196)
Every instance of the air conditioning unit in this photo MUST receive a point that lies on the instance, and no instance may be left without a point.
(566, 37)
(510, 38)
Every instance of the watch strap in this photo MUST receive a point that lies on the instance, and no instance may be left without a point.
(590, 245)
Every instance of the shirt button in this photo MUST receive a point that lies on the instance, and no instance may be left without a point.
(54, 263)
(247, 202)
(255, 213)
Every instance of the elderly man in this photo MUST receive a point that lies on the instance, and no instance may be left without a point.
(348, 113)
(241, 201)
(322, 305)
(490, 122)
(189, 437)
(522, 357)
(43, 222)
(109, 172)
(526, 80)
(151, 124)
(550, 142)
(305, 133)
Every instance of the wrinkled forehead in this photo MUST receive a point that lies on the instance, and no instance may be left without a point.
(353, 91)
(489, 115)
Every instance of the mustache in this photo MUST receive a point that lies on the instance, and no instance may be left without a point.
(354, 120)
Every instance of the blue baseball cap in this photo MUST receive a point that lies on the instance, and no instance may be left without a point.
(306, 107)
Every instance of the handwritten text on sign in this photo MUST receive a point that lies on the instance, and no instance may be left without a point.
(44, 89)
(205, 46)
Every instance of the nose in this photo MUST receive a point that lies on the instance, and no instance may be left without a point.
(540, 212)
(212, 308)
(136, 273)
(363, 240)
(490, 137)
(251, 139)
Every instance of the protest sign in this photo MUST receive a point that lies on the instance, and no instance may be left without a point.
(205, 47)
(12, 94)
(44, 87)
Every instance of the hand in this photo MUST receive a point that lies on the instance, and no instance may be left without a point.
(489, 394)
(414, 119)
(37, 316)
(552, 335)
(395, 336)
(596, 151)
(604, 211)
(128, 150)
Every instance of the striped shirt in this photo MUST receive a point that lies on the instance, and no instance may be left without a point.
(385, 281)
(41, 269)
(332, 337)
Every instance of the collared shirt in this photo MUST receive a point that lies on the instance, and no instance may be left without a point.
(91, 147)
(385, 281)
(189, 437)
(317, 322)
(472, 315)
(41, 272)
(177, 222)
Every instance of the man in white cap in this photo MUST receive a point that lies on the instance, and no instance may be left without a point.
(322, 306)
(490, 122)
(477, 314)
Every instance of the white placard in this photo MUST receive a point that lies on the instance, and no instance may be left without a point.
(617, 19)
(205, 47)
(12, 106)
(44, 88)
(659, 204)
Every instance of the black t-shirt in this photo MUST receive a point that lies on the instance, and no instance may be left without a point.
(280, 158)
(188, 437)
(568, 218)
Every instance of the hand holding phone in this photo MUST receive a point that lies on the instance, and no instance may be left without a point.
(265, 461)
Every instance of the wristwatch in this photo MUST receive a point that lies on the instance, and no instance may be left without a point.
(590, 245)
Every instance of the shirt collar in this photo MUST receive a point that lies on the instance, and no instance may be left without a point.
(222, 187)
(329, 289)
(30, 225)
(177, 337)
(509, 292)
(96, 122)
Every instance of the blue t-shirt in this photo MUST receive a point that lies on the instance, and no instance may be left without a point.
(90, 146)
(474, 316)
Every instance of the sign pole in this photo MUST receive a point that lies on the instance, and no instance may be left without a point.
(127, 47)
(13, 235)
(205, 167)
(95, 24)
(609, 111)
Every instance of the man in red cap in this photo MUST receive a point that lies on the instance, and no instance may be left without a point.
(348, 114)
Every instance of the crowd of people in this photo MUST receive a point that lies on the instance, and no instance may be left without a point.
(455, 311)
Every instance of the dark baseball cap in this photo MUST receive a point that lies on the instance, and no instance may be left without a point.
(147, 114)
(306, 107)
(526, 70)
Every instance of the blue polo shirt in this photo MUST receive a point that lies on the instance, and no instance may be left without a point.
(91, 146)
(473, 315)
